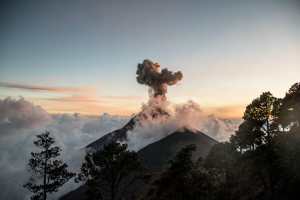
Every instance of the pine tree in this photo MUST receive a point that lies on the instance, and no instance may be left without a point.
(290, 109)
(109, 172)
(261, 123)
(49, 173)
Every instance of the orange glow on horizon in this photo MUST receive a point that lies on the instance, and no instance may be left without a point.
(84, 100)
(93, 107)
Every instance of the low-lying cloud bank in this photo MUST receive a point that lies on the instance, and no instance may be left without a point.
(160, 118)
(21, 120)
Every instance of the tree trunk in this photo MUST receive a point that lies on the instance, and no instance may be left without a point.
(45, 177)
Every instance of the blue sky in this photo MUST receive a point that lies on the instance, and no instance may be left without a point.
(229, 52)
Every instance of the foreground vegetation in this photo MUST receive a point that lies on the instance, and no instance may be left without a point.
(260, 161)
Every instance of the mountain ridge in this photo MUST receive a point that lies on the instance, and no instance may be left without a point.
(157, 154)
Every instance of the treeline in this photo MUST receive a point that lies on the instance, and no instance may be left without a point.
(261, 161)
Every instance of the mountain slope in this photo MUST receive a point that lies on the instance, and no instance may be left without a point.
(157, 154)
(120, 135)
(117, 135)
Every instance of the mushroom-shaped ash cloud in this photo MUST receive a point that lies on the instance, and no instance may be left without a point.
(149, 73)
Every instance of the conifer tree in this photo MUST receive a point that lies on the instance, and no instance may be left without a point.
(49, 173)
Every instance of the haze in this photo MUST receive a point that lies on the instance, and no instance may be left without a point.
(79, 56)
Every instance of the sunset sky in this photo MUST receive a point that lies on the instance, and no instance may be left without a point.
(81, 56)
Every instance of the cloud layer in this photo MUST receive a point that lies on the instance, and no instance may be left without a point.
(21, 120)
(17, 114)
(169, 118)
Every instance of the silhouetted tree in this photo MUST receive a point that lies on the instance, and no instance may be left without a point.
(44, 165)
(261, 123)
(262, 111)
(109, 172)
(248, 136)
(184, 179)
(290, 109)
(262, 159)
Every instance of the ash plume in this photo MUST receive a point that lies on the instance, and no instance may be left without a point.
(149, 73)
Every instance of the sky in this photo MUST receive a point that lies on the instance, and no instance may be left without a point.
(81, 56)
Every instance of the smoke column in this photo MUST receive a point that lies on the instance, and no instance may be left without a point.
(149, 73)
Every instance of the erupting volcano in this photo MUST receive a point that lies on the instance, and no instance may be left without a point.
(160, 129)
(148, 73)
(158, 118)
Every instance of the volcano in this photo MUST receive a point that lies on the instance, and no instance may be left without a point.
(164, 149)
(114, 136)
(120, 135)
(155, 155)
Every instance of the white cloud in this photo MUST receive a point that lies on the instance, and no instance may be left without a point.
(16, 114)
(21, 120)
(176, 116)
